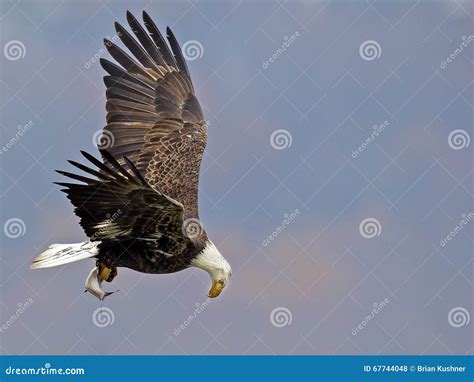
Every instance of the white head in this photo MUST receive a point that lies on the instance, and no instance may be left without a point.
(211, 260)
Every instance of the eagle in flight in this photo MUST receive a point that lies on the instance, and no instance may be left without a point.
(140, 207)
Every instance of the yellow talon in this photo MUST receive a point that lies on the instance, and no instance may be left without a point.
(105, 273)
(113, 274)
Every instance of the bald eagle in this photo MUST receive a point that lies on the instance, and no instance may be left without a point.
(140, 207)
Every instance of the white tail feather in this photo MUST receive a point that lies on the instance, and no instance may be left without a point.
(59, 254)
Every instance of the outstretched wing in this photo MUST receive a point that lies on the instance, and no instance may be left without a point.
(153, 115)
(119, 204)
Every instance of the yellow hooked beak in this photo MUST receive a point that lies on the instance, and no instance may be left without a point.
(216, 289)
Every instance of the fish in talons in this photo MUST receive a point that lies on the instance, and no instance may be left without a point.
(93, 284)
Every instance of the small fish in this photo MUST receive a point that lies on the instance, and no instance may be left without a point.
(94, 285)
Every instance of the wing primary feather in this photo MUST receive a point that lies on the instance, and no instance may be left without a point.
(98, 163)
(114, 81)
(117, 71)
(78, 177)
(135, 171)
(135, 48)
(178, 54)
(68, 185)
(106, 155)
(125, 60)
(158, 39)
(89, 170)
(112, 69)
(145, 39)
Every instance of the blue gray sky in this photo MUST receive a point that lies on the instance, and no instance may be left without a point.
(337, 179)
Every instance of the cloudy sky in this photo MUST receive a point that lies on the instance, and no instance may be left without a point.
(337, 179)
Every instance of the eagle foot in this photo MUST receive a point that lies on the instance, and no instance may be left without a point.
(113, 274)
(106, 273)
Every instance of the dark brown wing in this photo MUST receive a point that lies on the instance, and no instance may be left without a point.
(153, 115)
(119, 205)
